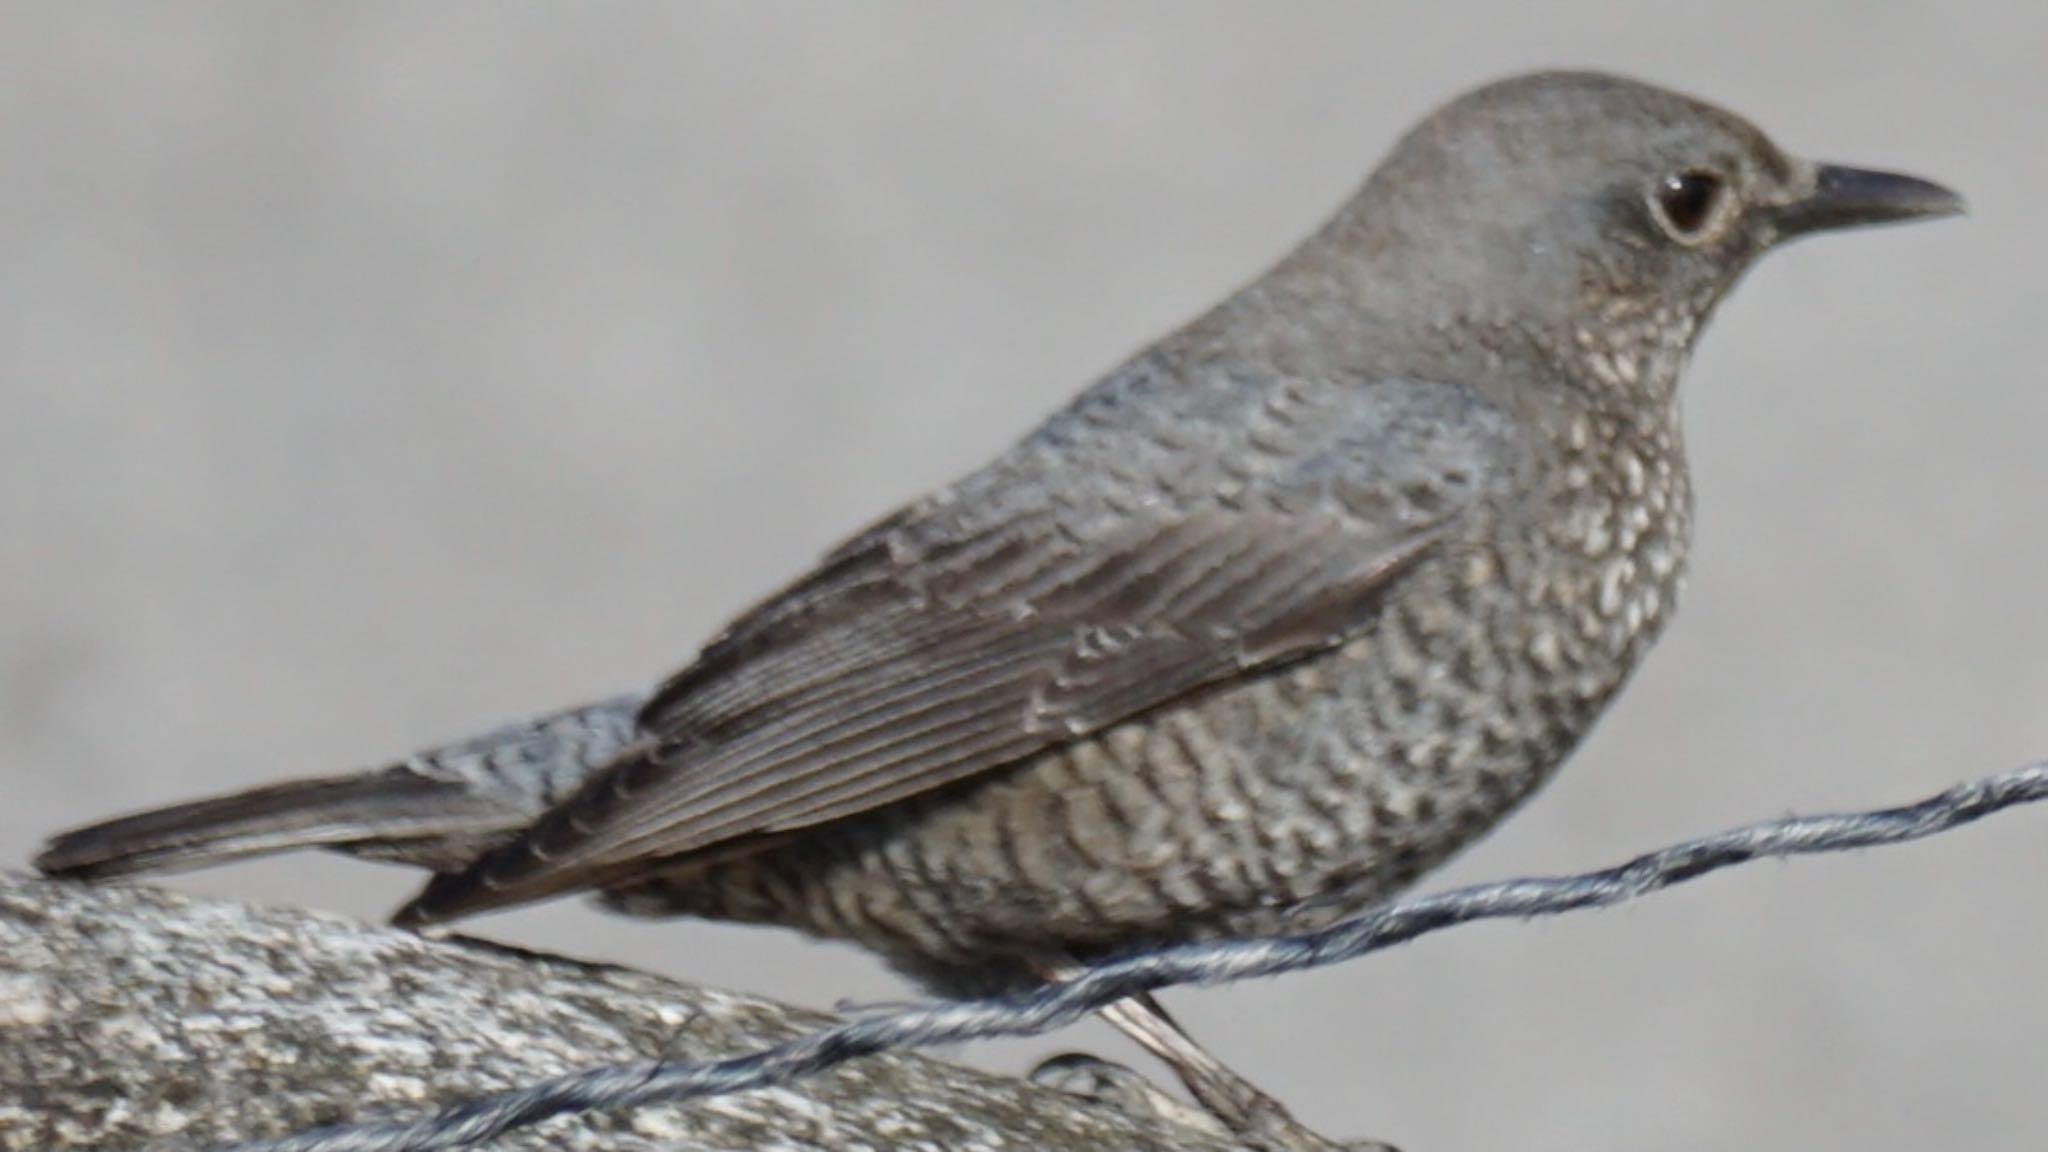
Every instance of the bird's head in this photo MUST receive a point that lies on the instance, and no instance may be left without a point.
(1594, 208)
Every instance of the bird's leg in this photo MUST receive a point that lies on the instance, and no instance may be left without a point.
(1236, 1102)
(1212, 1083)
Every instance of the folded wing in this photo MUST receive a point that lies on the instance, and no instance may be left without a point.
(919, 656)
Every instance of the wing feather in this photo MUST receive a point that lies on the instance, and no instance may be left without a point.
(922, 655)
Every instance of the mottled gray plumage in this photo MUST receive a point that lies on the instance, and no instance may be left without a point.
(1279, 614)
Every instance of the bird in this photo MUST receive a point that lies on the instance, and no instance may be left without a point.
(1267, 622)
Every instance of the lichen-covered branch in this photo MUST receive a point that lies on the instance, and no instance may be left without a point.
(128, 1015)
(131, 1017)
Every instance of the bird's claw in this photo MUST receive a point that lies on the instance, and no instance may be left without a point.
(1124, 1089)
(1261, 1125)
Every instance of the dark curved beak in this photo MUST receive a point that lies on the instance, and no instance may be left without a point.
(1853, 197)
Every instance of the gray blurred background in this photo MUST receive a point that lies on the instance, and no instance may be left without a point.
(373, 373)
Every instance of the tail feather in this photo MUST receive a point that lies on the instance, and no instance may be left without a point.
(395, 813)
(504, 876)
(439, 808)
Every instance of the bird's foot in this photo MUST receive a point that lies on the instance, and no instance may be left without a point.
(1122, 1088)
(1256, 1120)
(1265, 1125)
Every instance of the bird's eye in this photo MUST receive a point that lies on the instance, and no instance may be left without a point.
(1690, 205)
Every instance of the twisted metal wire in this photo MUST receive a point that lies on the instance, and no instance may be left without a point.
(633, 1085)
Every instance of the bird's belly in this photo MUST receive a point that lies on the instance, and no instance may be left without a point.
(1274, 803)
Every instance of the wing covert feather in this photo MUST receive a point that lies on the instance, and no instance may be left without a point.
(920, 655)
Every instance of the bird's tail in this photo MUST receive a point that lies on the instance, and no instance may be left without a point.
(384, 812)
(438, 809)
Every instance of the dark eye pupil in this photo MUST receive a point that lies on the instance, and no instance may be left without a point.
(1688, 199)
